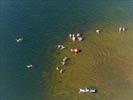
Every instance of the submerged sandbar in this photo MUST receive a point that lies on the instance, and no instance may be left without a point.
(104, 63)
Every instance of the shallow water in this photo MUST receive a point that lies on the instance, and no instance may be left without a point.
(43, 24)
(105, 63)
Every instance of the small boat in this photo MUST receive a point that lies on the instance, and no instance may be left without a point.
(87, 90)
(75, 50)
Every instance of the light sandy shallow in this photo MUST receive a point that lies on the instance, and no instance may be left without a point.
(106, 63)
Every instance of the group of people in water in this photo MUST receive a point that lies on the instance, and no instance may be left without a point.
(73, 37)
(122, 29)
(79, 37)
(76, 36)
(63, 62)
(19, 39)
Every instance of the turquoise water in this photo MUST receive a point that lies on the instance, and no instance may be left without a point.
(43, 24)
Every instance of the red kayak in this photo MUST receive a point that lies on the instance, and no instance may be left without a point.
(75, 50)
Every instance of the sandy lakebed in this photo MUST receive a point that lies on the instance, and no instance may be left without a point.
(104, 63)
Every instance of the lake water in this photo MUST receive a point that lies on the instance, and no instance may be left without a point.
(43, 24)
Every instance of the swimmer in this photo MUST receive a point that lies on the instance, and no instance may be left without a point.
(74, 38)
(29, 66)
(63, 62)
(98, 31)
(20, 39)
(65, 59)
(61, 71)
(57, 68)
(61, 47)
(80, 38)
(120, 29)
(70, 36)
(78, 35)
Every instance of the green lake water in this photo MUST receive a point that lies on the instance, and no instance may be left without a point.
(43, 24)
